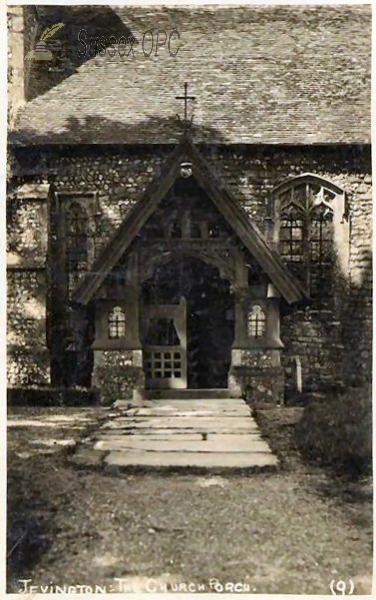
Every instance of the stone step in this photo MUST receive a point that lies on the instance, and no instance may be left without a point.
(170, 411)
(208, 460)
(191, 394)
(184, 415)
(179, 403)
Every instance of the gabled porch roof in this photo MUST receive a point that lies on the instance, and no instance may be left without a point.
(238, 220)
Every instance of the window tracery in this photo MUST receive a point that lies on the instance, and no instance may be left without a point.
(256, 322)
(307, 206)
(116, 323)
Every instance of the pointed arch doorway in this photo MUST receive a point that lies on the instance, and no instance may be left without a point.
(187, 325)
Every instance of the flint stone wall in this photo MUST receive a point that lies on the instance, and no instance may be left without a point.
(120, 178)
(116, 374)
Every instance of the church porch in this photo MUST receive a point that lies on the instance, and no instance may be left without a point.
(187, 306)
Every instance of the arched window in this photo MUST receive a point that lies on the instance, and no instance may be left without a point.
(76, 238)
(305, 209)
(116, 323)
(256, 322)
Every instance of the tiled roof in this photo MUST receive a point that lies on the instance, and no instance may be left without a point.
(260, 74)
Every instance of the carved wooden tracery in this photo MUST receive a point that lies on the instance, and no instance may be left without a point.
(213, 253)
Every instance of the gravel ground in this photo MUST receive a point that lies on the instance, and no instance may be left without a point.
(290, 532)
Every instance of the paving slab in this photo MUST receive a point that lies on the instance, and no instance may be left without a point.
(172, 434)
(194, 405)
(224, 460)
(224, 405)
(174, 411)
(208, 434)
(182, 422)
(237, 444)
(166, 433)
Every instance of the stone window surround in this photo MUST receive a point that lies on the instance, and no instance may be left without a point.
(336, 202)
(269, 302)
(88, 201)
(339, 204)
(102, 341)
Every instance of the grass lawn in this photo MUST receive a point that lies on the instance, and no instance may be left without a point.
(288, 532)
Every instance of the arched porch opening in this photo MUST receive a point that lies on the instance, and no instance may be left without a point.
(186, 303)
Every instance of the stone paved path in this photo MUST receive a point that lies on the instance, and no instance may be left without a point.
(208, 434)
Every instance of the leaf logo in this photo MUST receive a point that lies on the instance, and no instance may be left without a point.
(41, 52)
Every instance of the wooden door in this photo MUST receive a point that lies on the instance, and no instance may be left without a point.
(165, 346)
